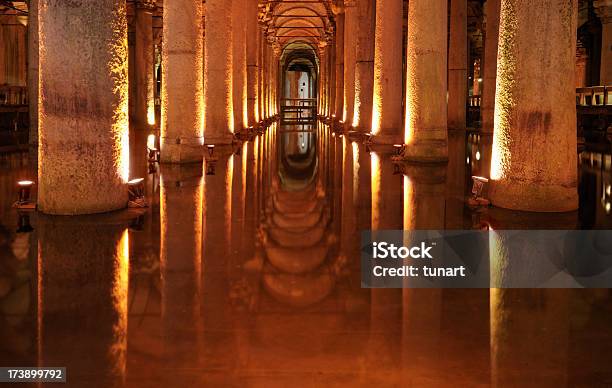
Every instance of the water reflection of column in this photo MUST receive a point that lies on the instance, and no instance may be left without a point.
(456, 180)
(217, 261)
(181, 260)
(529, 337)
(83, 296)
(424, 208)
(385, 304)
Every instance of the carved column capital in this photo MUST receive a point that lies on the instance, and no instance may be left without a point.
(146, 4)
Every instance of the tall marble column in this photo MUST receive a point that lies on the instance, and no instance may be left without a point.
(387, 104)
(457, 65)
(83, 157)
(252, 61)
(339, 106)
(364, 65)
(239, 63)
(534, 158)
(487, 106)
(350, 43)
(219, 120)
(182, 110)
(322, 80)
(33, 71)
(144, 64)
(426, 119)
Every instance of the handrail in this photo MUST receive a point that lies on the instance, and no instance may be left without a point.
(594, 96)
(13, 95)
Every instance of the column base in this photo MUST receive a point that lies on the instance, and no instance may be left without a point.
(533, 197)
(180, 153)
(387, 139)
(218, 140)
(427, 151)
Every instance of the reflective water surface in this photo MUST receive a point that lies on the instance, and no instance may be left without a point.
(244, 271)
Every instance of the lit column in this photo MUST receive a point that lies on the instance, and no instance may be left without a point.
(182, 110)
(219, 120)
(350, 14)
(487, 106)
(604, 11)
(534, 164)
(33, 71)
(331, 85)
(252, 62)
(239, 63)
(457, 65)
(322, 79)
(387, 104)
(143, 62)
(426, 119)
(83, 162)
(364, 65)
(339, 65)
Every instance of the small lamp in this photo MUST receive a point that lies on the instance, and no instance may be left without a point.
(478, 187)
(24, 201)
(211, 149)
(399, 149)
(136, 193)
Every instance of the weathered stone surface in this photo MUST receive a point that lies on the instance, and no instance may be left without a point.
(83, 114)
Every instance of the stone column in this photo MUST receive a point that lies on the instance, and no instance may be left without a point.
(534, 159)
(144, 64)
(350, 44)
(487, 105)
(252, 62)
(426, 120)
(33, 71)
(364, 64)
(182, 110)
(239, 63)
(219, 120)
(457, 65)
(387, 104)
(83, 158)
(604, 11)
(322, 80)
(339, 106)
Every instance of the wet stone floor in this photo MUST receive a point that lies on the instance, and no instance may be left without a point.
(244, 272)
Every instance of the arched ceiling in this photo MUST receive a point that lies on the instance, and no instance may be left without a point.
(297, 25)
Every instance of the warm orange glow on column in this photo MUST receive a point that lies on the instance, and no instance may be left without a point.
(118, 349)
(182, 87)
(218, 73)
(426, 108)
(387, 101)
(376, 190)
(84, 135)
(349, 63)
(408, 204)
(532, 169)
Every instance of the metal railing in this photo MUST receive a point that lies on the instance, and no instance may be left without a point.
(594, 96)
(298, 111)
(13, 96)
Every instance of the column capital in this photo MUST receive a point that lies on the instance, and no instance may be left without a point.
(146, 4)
(603, 9)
